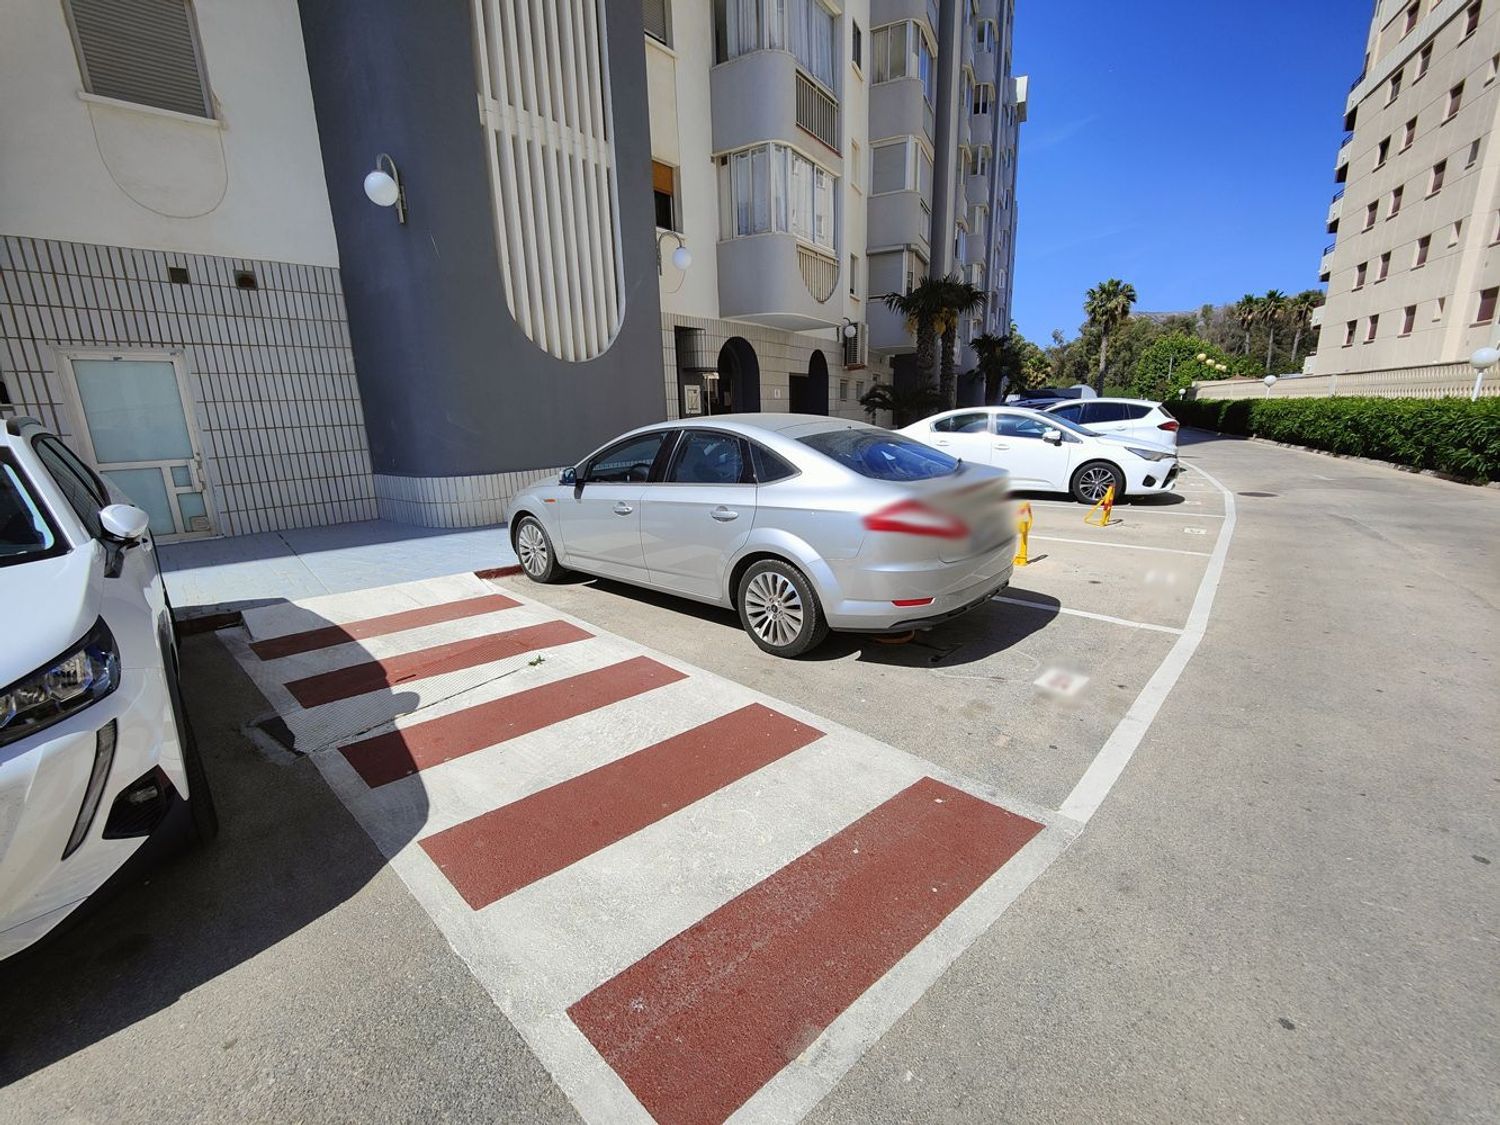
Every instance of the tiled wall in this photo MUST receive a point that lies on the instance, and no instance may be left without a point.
(474, 501)
(269, 369)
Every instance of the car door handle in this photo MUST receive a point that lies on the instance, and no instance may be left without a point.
(1001, 445)
(944, 443)
(723, 514)
(623, 509)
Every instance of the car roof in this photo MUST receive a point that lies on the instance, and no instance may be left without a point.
(787, 425)
(1131, 401)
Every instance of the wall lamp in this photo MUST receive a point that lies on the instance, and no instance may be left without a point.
(849, 330)
(383, 186)
(682, 257)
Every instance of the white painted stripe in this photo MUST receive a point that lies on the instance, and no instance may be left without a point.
(1126, 546)
(337, 609)
(1126, 509)
(1085, 613)
(1115, 755)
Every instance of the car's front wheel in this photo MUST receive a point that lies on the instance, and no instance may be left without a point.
(534, 551)
(1093, 480)
(205, 815)
(779, 609)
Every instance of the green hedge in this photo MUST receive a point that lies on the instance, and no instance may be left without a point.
(1451, 435)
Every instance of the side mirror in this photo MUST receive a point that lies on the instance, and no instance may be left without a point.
(569, 476)
(1053, 436)
(124, 523)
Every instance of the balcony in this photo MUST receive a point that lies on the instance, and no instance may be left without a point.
(1316, 320)
(985, 66)
(1335, 209)
(898, 109)
(977, 189)
(899, 218)
(982, 128)
(764, 96)
(883, 12)
(1325, 268)
(888, 330)
(779, 282)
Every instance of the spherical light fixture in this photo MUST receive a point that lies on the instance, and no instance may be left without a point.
(383, 186)
(850, 329)
(682, 257)
(1485, 358)
(1269, 381)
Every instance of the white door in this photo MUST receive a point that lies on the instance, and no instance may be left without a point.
(601, 520)
(1030, 450)
(965, 434)
(694, 520)
(137, 428)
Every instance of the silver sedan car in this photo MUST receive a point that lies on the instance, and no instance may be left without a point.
(800, 523)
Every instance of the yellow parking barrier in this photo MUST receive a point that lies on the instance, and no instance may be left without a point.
(1023, 525)
(1107, 504)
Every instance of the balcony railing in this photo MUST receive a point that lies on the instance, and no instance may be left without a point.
(1327, 250)
(1355, 84)
(820, 273)
(1338, 195)
(1343, 144)
(817, 111)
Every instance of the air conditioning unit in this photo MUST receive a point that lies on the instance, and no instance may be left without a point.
(855, 353)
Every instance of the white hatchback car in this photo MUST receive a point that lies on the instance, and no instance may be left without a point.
(98, 769)
(1137, 418)
(1047, 453)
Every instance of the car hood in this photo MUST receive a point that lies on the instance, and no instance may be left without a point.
(49, 604)
(1139, 443)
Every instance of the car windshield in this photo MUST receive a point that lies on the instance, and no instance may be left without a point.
(882, 456)
(24, 531)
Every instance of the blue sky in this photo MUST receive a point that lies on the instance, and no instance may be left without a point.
(1186, 147)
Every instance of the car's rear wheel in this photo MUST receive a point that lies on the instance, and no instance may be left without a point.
(1094, 479)
(534, 551)
(779, 609)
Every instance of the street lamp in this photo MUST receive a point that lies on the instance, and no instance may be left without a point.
(383, 186)
(1269, 381)
(682, 257)
(849, 329)
(1482, 361)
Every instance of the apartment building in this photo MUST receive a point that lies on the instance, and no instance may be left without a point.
(287, 263)
(1414, 273)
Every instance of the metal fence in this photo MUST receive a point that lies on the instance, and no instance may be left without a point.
(1439, 381)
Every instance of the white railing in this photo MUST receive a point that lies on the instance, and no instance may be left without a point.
(817, 111)
(1439, 381)
(819, 273)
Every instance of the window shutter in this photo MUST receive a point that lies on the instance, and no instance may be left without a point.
(656, 20)
(142, 51)
(854, 348)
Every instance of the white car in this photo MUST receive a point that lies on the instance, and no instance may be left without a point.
(1047, 453)
(1136, 418)
(98, 770)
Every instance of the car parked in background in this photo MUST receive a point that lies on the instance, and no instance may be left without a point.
(801, 523)
(96, 758)
(1122, 417)
(1044, 452)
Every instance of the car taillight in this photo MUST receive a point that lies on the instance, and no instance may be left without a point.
(912, 517)
(1171, 427)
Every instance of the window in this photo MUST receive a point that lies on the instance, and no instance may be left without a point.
(1396, 194)
(664, 192)
(775, 188)
(1020, 426)
(768, 466)
(84, 492)
(704, 457)
(1487, 300)
(1410, 134)
(880, 455)
(1471, 18)
(25, 531)
(1455, 232)
(979, 162)
(1373, 326)
(1437, 310)
(926, 70)
(857, 51)
(1424, 244)
(1473, 155)
(141, 51)
(1424, 62)
(843, 390)
(1413, 12)
(1370, 213)
(977, 422)
(1350, 329)
(1096, 412)
(1395, 91)
(1495, 229)
(803, 27)
(628, 461)
(984, 98)
(986, 36)
(1073, 412)
(1359, 274)
(1439, 172)
(859, 389)
(854, 276)
(901, 51)
(1408, 320)
(1382, 151)
(1493, 71)
(657, 15)
(1455, 99)
(1385, 267)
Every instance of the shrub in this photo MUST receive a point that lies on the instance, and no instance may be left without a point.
(1450, 435)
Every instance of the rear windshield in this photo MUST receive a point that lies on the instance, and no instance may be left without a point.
(24, 531)
(882, 456)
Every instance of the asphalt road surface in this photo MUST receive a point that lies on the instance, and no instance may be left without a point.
(1285, 908)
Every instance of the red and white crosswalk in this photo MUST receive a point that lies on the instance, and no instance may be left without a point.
(696, 903)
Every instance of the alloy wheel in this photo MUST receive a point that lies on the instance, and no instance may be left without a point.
(531, 547)
(1095, 482)
(774, 608)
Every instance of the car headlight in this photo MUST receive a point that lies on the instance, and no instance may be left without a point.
(1150, 454)
(82, 676)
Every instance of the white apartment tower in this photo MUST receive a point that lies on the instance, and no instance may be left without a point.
(1414, 274)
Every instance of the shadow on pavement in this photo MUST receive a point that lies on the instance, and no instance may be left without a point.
(286, 854)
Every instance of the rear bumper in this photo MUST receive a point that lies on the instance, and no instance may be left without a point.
(982, 579)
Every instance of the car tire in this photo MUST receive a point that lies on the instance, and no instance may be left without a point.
(1093, 479)
(534, 551)
(779, 609)
(204, 813)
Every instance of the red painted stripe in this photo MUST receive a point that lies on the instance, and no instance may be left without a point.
(400, 753)
(275, 647)
(507, 848)
(703, 1022)
(470, 652)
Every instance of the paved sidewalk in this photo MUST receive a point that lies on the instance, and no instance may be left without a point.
(209, 575)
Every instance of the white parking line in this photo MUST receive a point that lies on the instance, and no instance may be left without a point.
(1086, 613)
(1126, 546)
(1116, 753)
(1125, 510)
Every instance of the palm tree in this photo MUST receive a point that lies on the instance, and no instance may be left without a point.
(960, 299)
(924, 307)
(1247, 312)
(1273, 310)
(991, 352)
(1107, 305)
(1300, 310)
